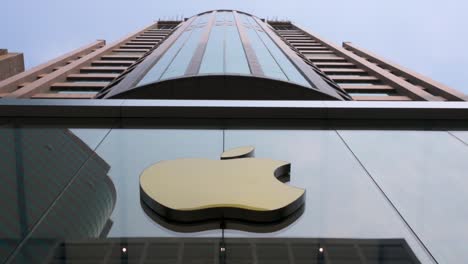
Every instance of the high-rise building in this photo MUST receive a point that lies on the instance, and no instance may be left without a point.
(187, 135)
(225, 55)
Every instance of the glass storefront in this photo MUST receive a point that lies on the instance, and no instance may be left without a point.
(71, 195)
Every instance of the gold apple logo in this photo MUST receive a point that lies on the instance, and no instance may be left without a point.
(237, 187)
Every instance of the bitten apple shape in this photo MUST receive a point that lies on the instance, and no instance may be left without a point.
(237, 187)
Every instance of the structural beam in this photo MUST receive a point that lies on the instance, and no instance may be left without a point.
(11, 84)
(402, 86)
(42, 85)
(252, 59)
(416, 78)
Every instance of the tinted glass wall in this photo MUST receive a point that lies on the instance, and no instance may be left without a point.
(373, 196)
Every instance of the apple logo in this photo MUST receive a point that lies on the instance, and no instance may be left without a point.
(237, 187)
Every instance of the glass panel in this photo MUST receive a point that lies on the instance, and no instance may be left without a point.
(203, 19)
(236, 61)
(81, 213)
(182, 60)
(224, 52)
(269, 66)
(229, 16)
(37, 165)
(220, 16)
(341, 200)
(172, 62)
(244, 19)
(424, 174)
(288, 68)
(213, 59)
(155, 73)
(224, 16)
(461, 135)
(75, 194)
(130, 151)
(267, 62)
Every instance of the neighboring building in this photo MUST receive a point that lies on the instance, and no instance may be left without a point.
(10, 64)
(382, 152)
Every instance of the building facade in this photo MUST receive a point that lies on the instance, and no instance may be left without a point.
(232, 44)
(380, 151)
(10, 64)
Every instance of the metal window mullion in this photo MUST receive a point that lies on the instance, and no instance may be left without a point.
(271, 54)
(135, 76)
(224, 48)
(252, 59)
(311, 76)
(195, 62)
(176, 54)
(268, 33)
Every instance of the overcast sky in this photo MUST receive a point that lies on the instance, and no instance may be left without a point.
(428, 36)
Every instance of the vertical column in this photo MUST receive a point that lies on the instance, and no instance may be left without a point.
(20, 80)
(195, 62)
(252, 59)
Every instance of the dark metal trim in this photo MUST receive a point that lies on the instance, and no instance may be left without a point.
(252, 59)
(196, 60)
(224, 10)
(223, 87)
(219, 109)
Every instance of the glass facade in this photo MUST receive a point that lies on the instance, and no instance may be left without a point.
(373, 196)
(53, 188)
(423, 174)
(224, 51)
(272, 60)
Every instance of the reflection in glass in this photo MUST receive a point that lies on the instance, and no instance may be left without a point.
(181, 61)
(236, 62)
(67, 195)
(461, 135)
(274, 62)
(155, 73)
(41, 198)
(149, 146)
(341, 200)
(424, 174)
(224, 52)
(179, 53)
(289, 69)
(213, 59)
(269, 66)
(237, 250)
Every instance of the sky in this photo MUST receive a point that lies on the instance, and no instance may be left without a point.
(429, 37)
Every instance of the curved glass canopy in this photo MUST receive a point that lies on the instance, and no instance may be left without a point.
(232, 46)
